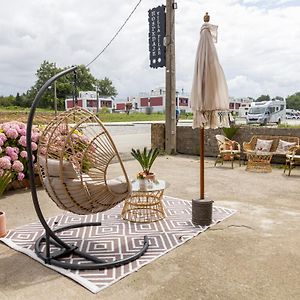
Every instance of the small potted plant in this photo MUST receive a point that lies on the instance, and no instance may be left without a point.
(146, 159)
(230, 132)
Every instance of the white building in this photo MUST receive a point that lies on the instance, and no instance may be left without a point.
(89, 101)
(155, 101)
(240, 106)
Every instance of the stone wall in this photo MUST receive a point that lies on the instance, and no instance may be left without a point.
(188, 138)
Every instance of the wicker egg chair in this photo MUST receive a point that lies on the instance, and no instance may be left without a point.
(75, 152)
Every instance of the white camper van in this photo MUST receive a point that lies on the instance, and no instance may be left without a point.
(266, 112)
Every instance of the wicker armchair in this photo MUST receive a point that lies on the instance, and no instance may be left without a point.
(228, 150)
(292, 159)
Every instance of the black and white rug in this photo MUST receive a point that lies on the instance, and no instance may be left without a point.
(115, 234)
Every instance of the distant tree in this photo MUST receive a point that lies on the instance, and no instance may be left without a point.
(64, 86)
(7, 100)
(293, 101)
(45, 71)
(18, 100)
(263, 98)
(278, 98)
(105, 87)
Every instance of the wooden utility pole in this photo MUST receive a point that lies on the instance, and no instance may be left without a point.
(170, 128)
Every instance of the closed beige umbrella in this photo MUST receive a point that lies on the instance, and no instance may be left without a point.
(209, 97)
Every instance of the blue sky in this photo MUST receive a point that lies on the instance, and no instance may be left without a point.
(258, 43)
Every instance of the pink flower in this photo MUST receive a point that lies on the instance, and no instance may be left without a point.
(12, 153)
(16, 150)
(12, 133)
(5, 163)
(9, 150)
(23, 154)
(22, 131)
(17, 166)
(14, 156)
(43, 150)
(33, 146)
(35, 137)
(22, 141)
(3, 137)
(1, 142)
(21, 176)
(1, 172)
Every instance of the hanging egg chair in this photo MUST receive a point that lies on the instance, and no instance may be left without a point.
(75, 153)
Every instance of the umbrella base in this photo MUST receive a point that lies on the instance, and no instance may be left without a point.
(202, 212)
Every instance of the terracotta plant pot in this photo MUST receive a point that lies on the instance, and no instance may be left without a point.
(228, 146)
(2, 224)
(150, 176)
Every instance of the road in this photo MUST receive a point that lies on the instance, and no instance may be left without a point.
(128, 136)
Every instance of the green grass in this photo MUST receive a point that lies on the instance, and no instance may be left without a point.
(13, 111)
(22, 109)
(288, 126)
(104, 116)
(132, 117)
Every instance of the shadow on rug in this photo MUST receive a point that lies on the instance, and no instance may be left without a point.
(114, 234)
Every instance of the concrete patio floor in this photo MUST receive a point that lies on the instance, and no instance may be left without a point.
(252, 255)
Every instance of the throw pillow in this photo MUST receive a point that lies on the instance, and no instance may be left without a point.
(263, 145)
(284, 146)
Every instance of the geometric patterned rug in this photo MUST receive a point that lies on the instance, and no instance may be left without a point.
(115, 234)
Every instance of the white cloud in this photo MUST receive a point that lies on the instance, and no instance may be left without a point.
(258, 46)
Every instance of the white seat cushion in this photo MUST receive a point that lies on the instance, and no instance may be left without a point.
(116, 185)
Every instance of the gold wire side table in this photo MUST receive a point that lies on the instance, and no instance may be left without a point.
(259, 161)
(145, 205)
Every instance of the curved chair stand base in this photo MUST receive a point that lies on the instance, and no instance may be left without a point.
(87, 261)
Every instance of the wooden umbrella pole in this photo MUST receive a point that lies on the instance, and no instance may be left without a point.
(201, 163)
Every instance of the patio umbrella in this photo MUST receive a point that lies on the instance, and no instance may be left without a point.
(209, 95)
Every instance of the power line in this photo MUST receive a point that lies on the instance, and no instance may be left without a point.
(115, 35)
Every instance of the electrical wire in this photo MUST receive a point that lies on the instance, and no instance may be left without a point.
(115, 35)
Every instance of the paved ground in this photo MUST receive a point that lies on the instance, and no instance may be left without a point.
(252, 255)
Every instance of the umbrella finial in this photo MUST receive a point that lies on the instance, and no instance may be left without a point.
(206, 17)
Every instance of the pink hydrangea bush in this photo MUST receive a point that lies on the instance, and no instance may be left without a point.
(13, 155)
(75, 146)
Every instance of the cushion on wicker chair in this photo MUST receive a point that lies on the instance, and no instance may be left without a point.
(53, 168)
(284, 146)
(263, 145)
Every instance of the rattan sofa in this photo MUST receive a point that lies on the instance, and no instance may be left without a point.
(251, 146)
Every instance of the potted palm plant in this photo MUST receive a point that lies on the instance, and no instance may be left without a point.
(230, 132)
(146, 159)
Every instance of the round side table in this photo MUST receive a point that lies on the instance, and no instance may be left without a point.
(145, 202)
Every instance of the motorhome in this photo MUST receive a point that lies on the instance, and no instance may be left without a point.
(265, 112)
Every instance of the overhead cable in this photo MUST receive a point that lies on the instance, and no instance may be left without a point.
(115, 35)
